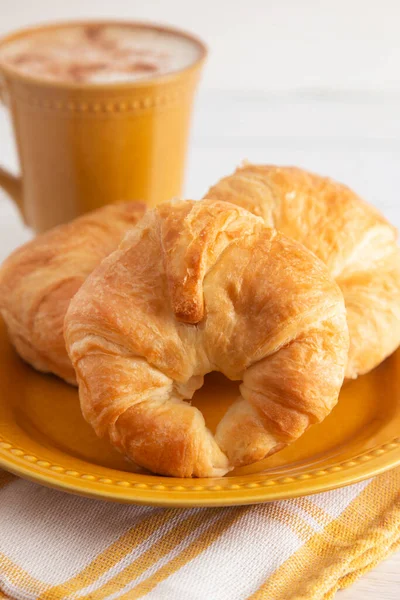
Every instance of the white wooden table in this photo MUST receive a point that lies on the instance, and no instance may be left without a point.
(353, 137)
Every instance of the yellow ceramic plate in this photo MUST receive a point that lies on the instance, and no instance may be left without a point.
(43, 437)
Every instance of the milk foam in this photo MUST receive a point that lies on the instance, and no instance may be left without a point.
(99, 53)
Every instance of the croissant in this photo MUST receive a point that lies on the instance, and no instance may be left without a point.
(38, 280)
(351, 237)
(199, 287)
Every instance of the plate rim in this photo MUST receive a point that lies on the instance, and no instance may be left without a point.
(243, 489)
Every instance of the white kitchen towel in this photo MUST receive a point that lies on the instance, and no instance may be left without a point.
(57, 546)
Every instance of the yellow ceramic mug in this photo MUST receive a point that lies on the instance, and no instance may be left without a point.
(81, 146)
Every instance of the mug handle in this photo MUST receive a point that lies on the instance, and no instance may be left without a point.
(11, 184)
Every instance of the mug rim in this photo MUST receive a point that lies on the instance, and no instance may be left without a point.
(120, 85)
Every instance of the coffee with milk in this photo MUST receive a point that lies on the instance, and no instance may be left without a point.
(99, 54)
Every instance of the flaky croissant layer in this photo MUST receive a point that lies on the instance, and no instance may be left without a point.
(199, 287)
(351, 237)
(38, 280)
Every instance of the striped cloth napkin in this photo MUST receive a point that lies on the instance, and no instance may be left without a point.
(58, 546)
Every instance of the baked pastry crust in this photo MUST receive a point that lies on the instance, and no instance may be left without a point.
(199, 287)
(352, 238)
(38, 280)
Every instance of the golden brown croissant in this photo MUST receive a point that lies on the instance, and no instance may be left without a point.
(352, 238)
(199, 287)
(38, 280)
